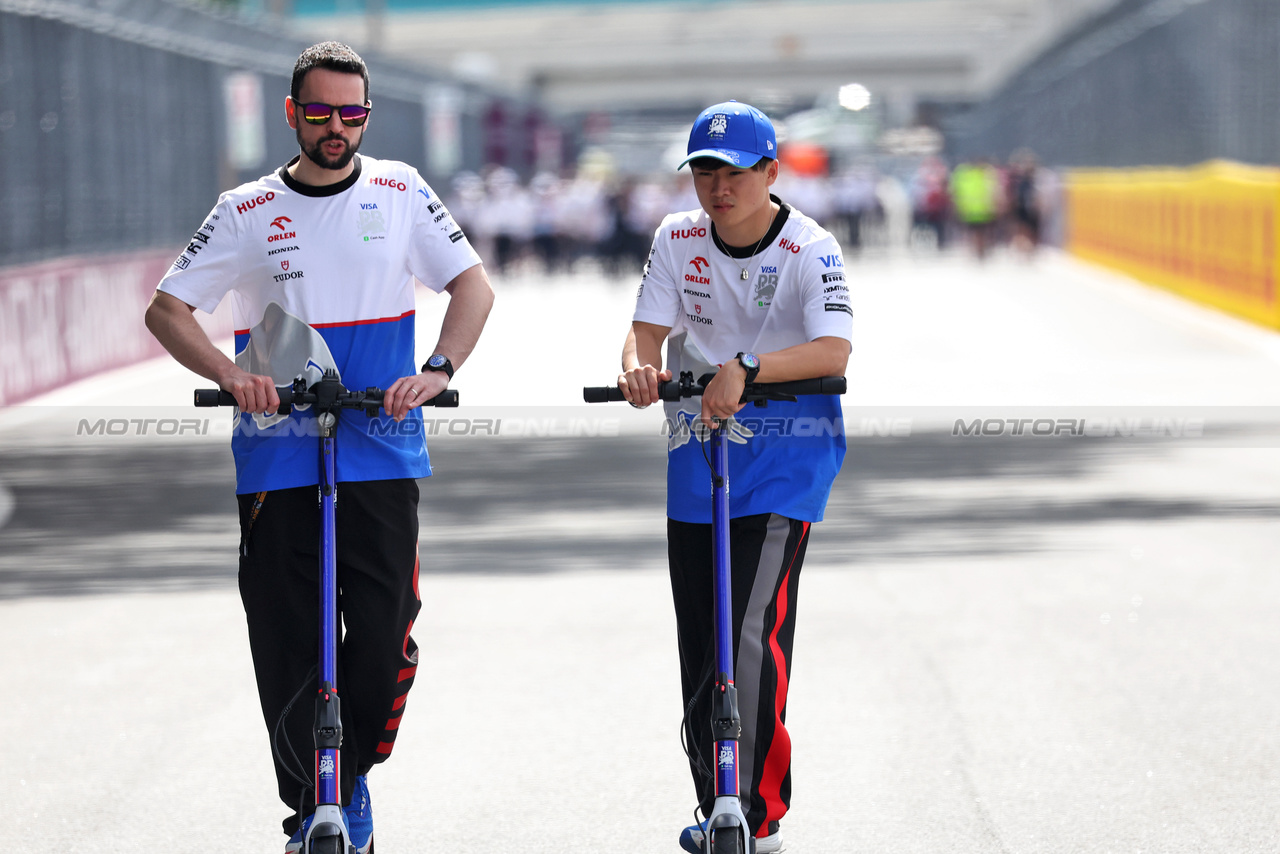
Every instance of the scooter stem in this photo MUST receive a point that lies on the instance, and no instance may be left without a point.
(328, 721)
(726, 722)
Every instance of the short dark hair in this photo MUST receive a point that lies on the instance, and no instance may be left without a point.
(334, 56)
(714, 163)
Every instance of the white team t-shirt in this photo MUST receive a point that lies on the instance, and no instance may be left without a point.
(783, 457)
(324, 277)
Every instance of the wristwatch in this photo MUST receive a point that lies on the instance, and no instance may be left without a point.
(439, 362)
(751, 364)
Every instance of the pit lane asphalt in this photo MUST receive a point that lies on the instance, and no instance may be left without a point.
(1004, 644)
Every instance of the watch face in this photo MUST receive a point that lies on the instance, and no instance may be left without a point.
(750, 361)
(437, 361)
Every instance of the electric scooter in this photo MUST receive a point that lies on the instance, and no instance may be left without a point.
(328, 831)
(727, 831)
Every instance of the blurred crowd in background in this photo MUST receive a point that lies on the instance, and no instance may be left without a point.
(554, 223)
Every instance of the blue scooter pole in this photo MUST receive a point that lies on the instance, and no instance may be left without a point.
(727, 831)
(328, 830)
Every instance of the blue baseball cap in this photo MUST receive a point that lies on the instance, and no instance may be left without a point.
(736, 133)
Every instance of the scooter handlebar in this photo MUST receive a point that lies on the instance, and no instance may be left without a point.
(817, 385)
(218, 397)
(676, 389)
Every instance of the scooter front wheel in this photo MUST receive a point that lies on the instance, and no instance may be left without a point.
(327, 845)
(728, 840)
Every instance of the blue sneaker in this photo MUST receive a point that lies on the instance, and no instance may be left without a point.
(359, 814)
(691, 837)
(294, 845)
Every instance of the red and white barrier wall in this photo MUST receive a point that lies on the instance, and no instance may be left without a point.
(68, 319)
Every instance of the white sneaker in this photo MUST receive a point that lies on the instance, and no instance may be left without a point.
(770, 844)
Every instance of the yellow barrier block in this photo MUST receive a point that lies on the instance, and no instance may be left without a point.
(1210, 233)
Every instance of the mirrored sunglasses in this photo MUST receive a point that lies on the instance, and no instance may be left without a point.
(319, 114)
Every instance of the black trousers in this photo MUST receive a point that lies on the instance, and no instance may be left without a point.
(377, 556)
(766, 553)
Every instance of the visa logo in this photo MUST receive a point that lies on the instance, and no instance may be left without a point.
(425, 194)
(368, 206)
(768, 269)
(832, 261)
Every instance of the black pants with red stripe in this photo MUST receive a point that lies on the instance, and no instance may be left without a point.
(766, 552)
(377, 556)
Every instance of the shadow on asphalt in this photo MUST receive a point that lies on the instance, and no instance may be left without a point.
(163, 517)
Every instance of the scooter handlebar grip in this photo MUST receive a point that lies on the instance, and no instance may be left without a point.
(218, 397)
(448, 397)
(602, 393)
(833, 385)
(214, 397)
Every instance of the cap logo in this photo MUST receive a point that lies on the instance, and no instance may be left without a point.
(719, 127)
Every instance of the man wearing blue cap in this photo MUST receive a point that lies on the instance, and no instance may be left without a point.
(752, 287)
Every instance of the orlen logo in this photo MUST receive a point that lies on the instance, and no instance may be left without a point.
(793, 248)
(279, 222)
(699, 262)
(686, 233)
(389, 182)
(253, 203)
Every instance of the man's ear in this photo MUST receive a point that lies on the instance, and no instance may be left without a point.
(771, 171)
(290, 113)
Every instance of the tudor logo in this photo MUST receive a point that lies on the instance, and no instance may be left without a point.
(699, 262)
(697, 308)
(284, 265)
(279, 222)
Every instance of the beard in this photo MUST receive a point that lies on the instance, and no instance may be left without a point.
(317, 156)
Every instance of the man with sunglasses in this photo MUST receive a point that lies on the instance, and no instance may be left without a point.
(320, 259)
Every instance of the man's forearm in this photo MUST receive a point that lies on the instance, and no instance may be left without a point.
(822, 357)
(470, 299)
(172, 323)
(643, 346)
